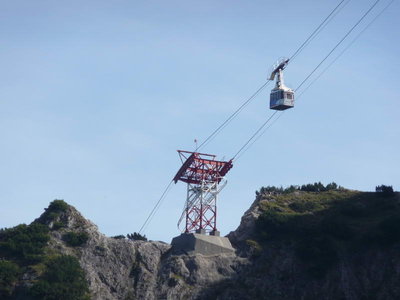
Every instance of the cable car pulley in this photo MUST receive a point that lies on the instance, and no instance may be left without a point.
(281, 96)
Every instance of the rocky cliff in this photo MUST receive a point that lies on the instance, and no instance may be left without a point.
(126, 269)
(301, 245)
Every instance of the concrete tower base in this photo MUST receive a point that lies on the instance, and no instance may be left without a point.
(195, 243)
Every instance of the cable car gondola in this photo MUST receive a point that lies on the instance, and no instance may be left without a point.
(281, 96)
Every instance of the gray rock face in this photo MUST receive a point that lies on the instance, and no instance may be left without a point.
(125, 269)
(247, 223)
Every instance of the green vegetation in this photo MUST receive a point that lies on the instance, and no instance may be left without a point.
(255, 247)
(384, 189)
(136, 237)
(24, 243)
(20, 247)
(52, 214)
(74, 239)
(23, 249)
(119, 237)
(63, 280)
(322, 225)
(9, 273)
(57, 206)
(319, 187)
(311, 187)
(57, 225)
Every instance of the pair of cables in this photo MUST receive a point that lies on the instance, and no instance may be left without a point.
(315, 32)
(270, 120)
(236, 113)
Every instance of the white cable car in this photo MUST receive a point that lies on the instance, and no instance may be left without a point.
(281, 97)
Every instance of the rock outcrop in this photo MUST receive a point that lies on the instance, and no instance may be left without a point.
(126, 269)
(337, 244)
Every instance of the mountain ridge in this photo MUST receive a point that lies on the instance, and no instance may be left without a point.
(273, 244)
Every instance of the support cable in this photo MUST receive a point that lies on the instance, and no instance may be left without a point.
(254, 136)
(339, 43)
(317, 30)
(260, 135)
(297, 52)
(155, 208)
(231, 117)
(347, 47)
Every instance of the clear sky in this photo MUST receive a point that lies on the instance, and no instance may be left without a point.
(97, 96)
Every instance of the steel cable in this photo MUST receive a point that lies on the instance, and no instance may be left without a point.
(338, 44)
(254, 136)
(316, 31)
(155, 208)
(297, 52)
(347, 47)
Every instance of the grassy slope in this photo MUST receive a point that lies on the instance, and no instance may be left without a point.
(322, 225)
(301, 236)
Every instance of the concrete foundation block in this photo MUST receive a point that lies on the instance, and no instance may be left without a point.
(194, 243)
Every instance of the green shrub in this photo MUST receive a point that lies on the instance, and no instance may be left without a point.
(278, 223)
(311, 187)
(274, 223)
(136, 237)
(74, 239)
(319, 187)
(57, 206)
(386, 190)
(52, 212)
(119, 237)
(24, 243)
(51, 215)
(9, 273)
(57, 225)
(254, 247)
(277, 190)
(63, 279)
(304, 206)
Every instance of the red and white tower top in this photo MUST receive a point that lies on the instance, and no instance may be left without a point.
(203, 174)
(199, 167)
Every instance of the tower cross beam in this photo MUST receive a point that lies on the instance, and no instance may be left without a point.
(202, 173)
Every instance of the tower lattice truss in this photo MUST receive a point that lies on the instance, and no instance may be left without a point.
(204, 177)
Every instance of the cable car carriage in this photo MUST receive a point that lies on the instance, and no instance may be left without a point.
(281, 96)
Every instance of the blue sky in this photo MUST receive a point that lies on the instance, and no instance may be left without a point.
(97, 96)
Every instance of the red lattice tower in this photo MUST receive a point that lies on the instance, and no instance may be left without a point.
(204, 176)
